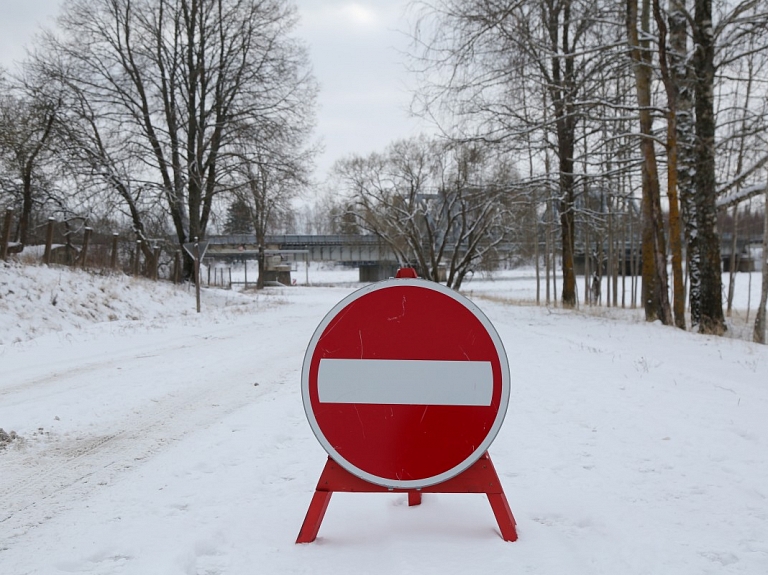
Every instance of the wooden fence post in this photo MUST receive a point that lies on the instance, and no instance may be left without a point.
(86, 243)
(136, 258)
(48, 242)
(177, 267)
(113, 255)
(197, 274)
(156, 258)
(6, 238)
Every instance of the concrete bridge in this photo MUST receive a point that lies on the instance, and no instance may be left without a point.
(370, 254)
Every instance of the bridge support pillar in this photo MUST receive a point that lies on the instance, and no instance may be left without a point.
(377, 272)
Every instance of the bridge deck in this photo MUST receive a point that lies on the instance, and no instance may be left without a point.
(353, 249)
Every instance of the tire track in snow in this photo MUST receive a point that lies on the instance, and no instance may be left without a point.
(65, 472)
(82, 369)
(72, 367)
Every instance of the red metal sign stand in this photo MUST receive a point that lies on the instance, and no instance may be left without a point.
(480, 477)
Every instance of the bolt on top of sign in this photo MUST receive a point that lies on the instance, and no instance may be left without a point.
(405, 383)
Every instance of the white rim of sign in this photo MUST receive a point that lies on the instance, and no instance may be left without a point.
(427, 481)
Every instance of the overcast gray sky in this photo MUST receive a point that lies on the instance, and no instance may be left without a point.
(354, 49)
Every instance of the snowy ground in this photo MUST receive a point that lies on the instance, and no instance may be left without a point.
(154, 440)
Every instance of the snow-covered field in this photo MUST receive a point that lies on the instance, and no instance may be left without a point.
(150, 439)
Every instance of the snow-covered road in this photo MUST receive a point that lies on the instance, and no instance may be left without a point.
(181, 447)
(93, 407)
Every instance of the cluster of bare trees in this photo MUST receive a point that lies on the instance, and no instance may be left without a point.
(599, 97)
(613, 122)
(157, 113)
(442, 208)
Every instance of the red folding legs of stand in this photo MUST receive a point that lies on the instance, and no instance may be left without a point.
(480, 477)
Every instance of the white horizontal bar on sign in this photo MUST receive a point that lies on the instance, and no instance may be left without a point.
(405, 382)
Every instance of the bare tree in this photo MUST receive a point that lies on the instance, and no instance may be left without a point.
(668, 63)
(479, 57)
(655, 283)
(758, 334)
(100, 160)
(718, 37)
(27, 129)
(178, 80)
(702, 79)
(440, 208)
(268, 174)
(711, 306)
(739, 122)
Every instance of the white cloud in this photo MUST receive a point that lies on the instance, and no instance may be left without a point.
(359, 15)
(346, 17)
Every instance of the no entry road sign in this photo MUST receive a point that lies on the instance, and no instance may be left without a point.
(405, 383)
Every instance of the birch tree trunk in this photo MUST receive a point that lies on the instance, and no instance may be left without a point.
(739, 168)
(712, 320)
(685, 138)
(732, 262)
(758, 335)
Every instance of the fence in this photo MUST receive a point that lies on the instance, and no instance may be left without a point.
(219, 277)
(79, 246)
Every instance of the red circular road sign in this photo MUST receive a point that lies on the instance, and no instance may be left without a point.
(405, 383)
